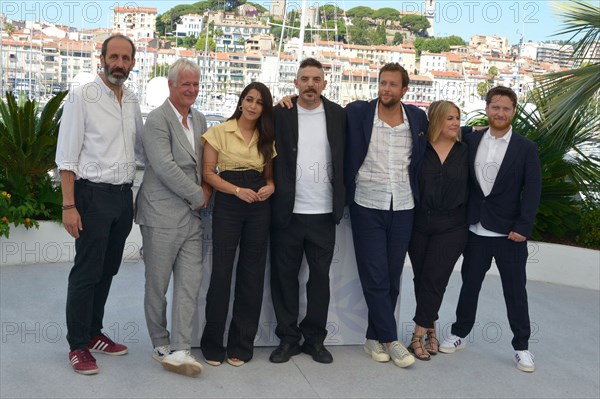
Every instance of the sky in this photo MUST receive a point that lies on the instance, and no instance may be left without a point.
(534, 19)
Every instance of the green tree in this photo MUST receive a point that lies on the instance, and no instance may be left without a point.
(359, 32)
(201, 43)
(389, 14)
(9, 29)
(455, 40)
(260, 8)
(330, 12)
(340, 36)
(415, 23)
(398, 38)
(378, 36)
(360, 12)
(483, 88)
(308, 33)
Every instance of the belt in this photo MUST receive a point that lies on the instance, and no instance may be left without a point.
(434, 213)
(105, 186)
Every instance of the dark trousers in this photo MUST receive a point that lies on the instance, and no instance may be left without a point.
(235, 221)
(380, 243)
(436, 244)
(511, 258)
(315, 236)
(107, 217)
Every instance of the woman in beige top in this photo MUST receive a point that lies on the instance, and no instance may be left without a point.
(238, 165)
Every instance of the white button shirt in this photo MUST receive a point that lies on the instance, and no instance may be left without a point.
(383, 179)
(489, 157)
(189, 131)
(98, 136)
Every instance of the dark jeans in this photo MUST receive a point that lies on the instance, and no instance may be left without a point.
(511, 259)
(236, 221)
(313, 235)
(438, 240)
(380, 243)
(107, 217)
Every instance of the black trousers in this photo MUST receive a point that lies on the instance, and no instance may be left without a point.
(235, 221)
(511, 259)
(313, 235)
(107, 216)
(436, 244)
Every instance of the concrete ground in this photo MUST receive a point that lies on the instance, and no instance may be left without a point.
(34, 364)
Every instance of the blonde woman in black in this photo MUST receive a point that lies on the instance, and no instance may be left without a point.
(440, 230)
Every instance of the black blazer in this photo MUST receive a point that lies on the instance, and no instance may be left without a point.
(513, 202)
(284, 164)
(359, 115)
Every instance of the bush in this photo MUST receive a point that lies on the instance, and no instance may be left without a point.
(27, 151)
(589, 225)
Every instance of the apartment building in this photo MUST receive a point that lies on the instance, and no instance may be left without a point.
(548, 52)
(191, 25)
(137, 22)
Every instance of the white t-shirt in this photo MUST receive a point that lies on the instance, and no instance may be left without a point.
(314, 191)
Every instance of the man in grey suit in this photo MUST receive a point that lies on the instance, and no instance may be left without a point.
(168, 205)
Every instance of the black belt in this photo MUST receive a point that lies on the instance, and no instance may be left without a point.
(450, 212)
(105, 186)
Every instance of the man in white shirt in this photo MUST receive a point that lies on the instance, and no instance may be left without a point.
(385, 142)
(307, 204)
(504, 195)
(168, 204)
(96, 155)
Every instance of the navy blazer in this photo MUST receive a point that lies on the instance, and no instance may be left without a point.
(359, 116)
(513, 202)
(285, 163)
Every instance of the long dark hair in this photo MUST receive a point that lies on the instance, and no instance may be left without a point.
(265, 124)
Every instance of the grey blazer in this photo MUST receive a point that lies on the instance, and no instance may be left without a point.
(170, 190)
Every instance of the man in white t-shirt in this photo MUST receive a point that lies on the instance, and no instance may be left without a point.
(307, 204)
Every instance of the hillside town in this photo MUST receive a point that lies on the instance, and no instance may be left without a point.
(40, 58)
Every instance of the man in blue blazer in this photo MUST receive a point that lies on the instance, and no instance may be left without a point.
(385, 141)
(505, 192)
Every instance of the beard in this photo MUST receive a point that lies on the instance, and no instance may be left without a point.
(500, 125)
(116, 80)
(391, 103)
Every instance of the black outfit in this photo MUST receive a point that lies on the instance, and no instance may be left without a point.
(440, 230)
(510, 206)
(236, 221)
(292, 234)
(107, 216)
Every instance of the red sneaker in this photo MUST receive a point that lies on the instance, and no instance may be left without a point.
(83, 362)
(102, 344)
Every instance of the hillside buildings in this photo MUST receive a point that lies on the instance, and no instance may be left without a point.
(40, 59)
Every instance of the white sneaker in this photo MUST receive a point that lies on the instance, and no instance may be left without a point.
(399, 354)
(182, 362)
(524, 360)
(452, 344)
(376, 350)
(160, 352)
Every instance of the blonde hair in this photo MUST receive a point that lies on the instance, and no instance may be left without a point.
(437, 113)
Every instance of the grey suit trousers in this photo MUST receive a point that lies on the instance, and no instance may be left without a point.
(175, 251)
